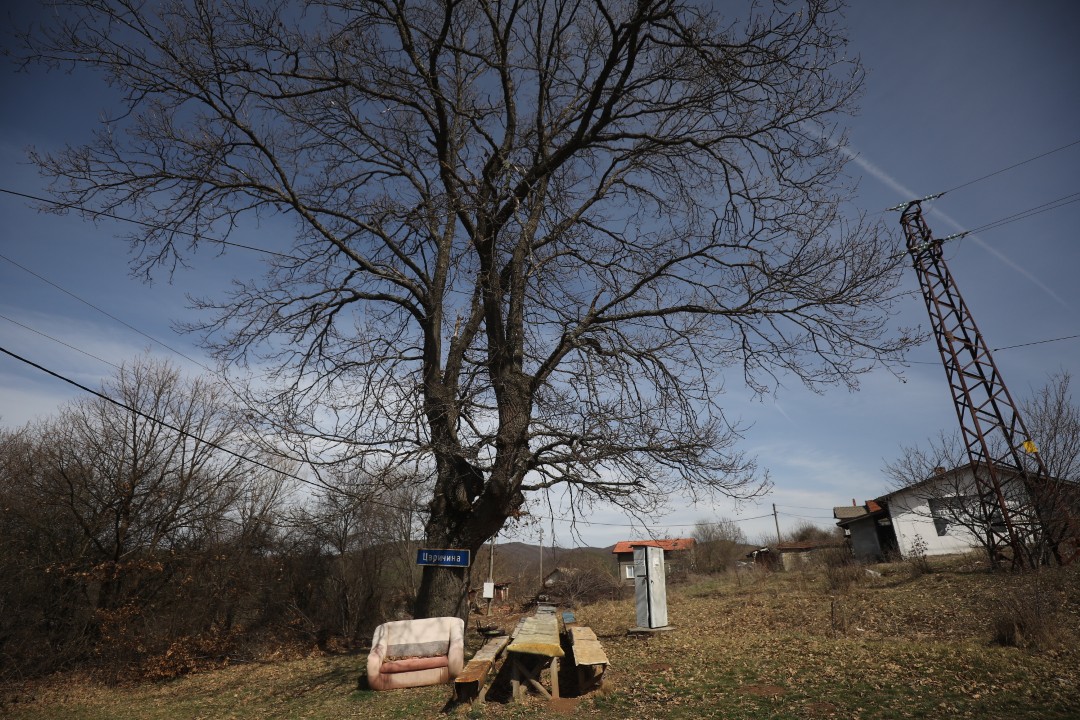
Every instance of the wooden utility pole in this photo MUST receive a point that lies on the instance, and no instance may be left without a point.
(776, 521)
(541, 559)
(491, 572)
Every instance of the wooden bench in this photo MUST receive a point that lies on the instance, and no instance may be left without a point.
(589, 657)
(472, 682)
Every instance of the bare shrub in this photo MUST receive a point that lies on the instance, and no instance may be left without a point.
(807, 531)
(1027, 617)
(841, 570)
(719, 545)
(586, 586)
(917, 560)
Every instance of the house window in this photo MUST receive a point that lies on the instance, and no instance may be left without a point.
(949, 510)
(629, 571)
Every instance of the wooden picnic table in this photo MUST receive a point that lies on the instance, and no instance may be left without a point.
(533, 646)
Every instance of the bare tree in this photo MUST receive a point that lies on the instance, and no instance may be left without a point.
(132, 486)
(105, 516)
(529, 236)
(719, 544)
(1053, 419)
(360, 544)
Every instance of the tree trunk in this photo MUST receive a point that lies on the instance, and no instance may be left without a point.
(444, 592)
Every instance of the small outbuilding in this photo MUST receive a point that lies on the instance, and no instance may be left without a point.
(795, 554)
(868, 529)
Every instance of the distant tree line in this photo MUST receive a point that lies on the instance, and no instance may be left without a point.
(131, 548)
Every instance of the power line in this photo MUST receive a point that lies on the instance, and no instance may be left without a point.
(105, 313)
(1030, 212)
(209, 443)
(1036, 342)
(808, 517)
(1012, 167)
(61, 342)
(144, 223)
(285, 473)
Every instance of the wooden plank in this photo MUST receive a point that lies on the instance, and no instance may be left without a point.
(476, 670)
(581, 632)
(538, 636)
(587, 649)
(589, 652)
(472, 682)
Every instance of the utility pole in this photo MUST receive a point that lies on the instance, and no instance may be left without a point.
(541, 559)
(491, 572)
(776, 521)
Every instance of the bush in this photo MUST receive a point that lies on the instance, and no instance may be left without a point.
(917, 560)
(583, 587)
(840, 568)
(1026, 617)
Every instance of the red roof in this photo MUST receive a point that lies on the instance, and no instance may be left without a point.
(626, 546)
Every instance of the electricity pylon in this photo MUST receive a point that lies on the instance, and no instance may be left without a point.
(1026, 514)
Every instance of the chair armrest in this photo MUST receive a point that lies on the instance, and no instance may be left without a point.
(456, 654)
(377, 655)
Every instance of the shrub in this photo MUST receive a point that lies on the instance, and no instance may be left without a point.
(840, 568)
(917, 559)
(1026, 617)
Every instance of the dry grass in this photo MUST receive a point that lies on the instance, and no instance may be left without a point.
(746, 646)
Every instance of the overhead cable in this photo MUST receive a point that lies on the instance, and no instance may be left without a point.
(1024, 214)
(1011, 167)
(209, 443)
(1036, 342)
(144, 223)
(105, 313)
(61, 342)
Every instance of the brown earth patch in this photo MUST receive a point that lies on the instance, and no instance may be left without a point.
(762, 690)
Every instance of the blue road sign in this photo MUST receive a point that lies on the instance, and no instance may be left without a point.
(443, 558)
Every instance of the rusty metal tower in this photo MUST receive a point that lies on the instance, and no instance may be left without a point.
(1025, 512)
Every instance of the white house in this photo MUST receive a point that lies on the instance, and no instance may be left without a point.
(918, 519)
(941, 513)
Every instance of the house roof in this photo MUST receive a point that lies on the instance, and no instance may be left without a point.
(938, 476)
(847, 513)
(625, 546)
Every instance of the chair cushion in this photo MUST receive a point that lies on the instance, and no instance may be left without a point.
(414, 663)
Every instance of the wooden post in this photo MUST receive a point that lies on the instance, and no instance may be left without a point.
(491, 572)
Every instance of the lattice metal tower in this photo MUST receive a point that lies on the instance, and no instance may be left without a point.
(1025, 513)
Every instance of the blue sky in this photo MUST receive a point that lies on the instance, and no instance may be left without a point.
(955, 91)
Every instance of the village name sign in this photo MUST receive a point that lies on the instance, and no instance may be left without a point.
(443, 558)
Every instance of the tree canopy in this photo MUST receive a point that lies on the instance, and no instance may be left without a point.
(530, 237)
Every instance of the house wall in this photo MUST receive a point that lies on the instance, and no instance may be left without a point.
(794, 559)
(911, 518)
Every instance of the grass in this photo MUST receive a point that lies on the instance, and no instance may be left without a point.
(753, 646)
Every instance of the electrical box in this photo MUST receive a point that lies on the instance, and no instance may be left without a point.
(650, 587)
